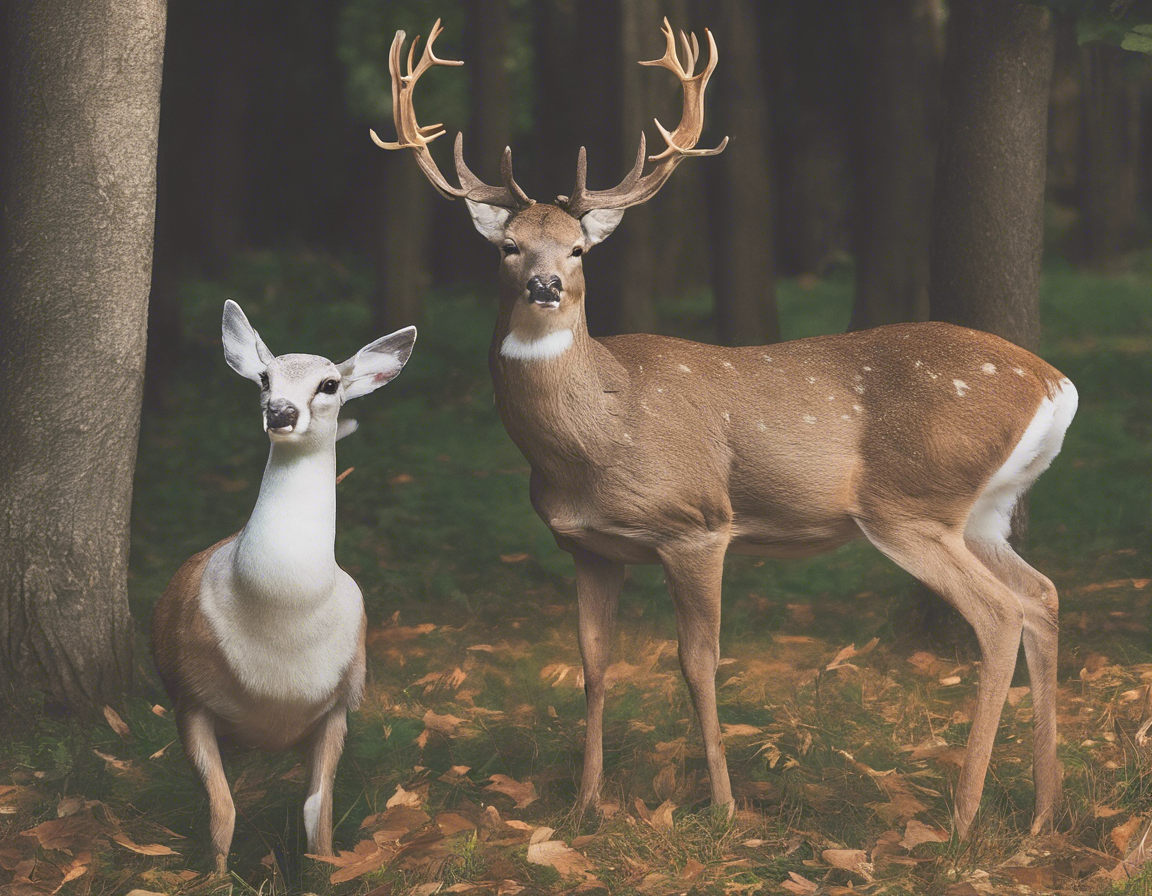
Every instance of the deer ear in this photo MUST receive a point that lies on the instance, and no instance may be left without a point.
(244, 350)
(599, 223)
(490, 220)
(377, 363)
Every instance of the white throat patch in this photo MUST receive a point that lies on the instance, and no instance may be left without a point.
(541, 349)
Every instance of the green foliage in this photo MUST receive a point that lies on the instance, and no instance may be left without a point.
(1122, 23)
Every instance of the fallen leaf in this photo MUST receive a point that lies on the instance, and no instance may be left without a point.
(917, 832)
(404, 797)
(660, 817)
(446, 724)
(116, 723)
(159, 710)
(69, 832)
(523, 793)
(739, 730)
(453, 823)
(950, 680)
(556, 854)
(394, 633)
(854, 860)
(798, 883)
(1015, 695)
(365, 857)
(116, 766)
(848, 653)
(148, 849)
(1122, 833)
(1036, 877)
(514, 558)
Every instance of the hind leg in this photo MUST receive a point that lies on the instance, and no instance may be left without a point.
(938, 557)
(1041, 633)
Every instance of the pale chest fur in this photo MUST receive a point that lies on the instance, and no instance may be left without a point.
(293, 651)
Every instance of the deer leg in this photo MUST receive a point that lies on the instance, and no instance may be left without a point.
(939, 558)
(598, 583)
(694, 576)
(323, 755)
(1041, 635)
(198, 735)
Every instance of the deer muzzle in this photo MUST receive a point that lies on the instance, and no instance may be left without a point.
(545, 292)
(281, 416)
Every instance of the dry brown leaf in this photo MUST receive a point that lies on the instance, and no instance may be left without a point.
(660, 817)
(798, 883)
(367, 856)
(445, 724)
(116, 766)
(740, 730)
(1015, 695)
(854, 860)
(453, 823)
(394, 823)
(523, 793)
(556, 854)
(917, 832)
(160, 752)
(1122, 833)
(394, 633)
(514, 558)
(76, 868)
(950, 681)
(665, 782)
(147, 849)
(116, 723)
(403, 797)
(70, 832)
(923, 662)
(159, 710)
(848, 653)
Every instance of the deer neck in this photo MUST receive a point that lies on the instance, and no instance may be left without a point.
(556, 391)
(285, 554)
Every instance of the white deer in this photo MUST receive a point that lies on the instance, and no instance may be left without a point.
(260, 638)
(647, 449)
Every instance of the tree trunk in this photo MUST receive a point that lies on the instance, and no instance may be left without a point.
(1109, 184)
(740, 206)
(402, 259)
(898, 104)
(988, 229)
(79, 198)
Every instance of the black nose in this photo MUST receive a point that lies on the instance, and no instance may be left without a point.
(544, 290)
(282, 414)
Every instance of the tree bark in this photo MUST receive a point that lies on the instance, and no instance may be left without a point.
(402, 254)
(78, 207)
(988, 228)
(1109, 184)
(898, 107)
(740, 194)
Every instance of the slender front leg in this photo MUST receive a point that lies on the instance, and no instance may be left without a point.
(198, 734)
(598, 584)
(323, 755)
(694, 573)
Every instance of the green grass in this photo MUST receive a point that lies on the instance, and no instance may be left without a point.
(436, 526)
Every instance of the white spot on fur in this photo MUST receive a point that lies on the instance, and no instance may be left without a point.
(727, 419)
(961, 387)
(729, 365)
(988, 368)
(661, 391)
(934, 376)
(867, 369)
(685, 368)
(845, 417)
(766, 357)
(760, 426)
(857, 408)
(808, 418)
(919, 363)
(554, 344)
(811, 379)
(1018, 371)
(859, 389)
(831, 397)
(991, 516)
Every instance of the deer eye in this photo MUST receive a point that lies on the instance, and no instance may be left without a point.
(329, 387)
(578, 251)
(510, 248)
(264, 381)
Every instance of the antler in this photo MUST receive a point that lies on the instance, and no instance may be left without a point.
(416, 137)
(635, 189)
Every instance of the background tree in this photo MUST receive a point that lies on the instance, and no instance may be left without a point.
(897, 107)
(81, 122)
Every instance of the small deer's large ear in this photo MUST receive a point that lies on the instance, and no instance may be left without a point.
(244, 350)
(599, 223)
(377, 363)
(490, 220)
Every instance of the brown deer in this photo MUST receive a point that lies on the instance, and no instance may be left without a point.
(260, 638)
(649, 449)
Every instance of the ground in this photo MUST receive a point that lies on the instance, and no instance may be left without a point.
(845, 710)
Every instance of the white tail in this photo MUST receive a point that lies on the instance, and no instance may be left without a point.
(645, 449)
(261, 637)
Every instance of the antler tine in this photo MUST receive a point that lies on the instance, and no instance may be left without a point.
(681, 143)
(416, 137)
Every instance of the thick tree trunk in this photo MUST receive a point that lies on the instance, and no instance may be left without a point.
(898, 107)
(740, 194)
(78, 206)
(402, 254)
(1109, 184)
(988, 230)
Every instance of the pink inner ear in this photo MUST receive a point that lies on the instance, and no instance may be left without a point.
(380, 378)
